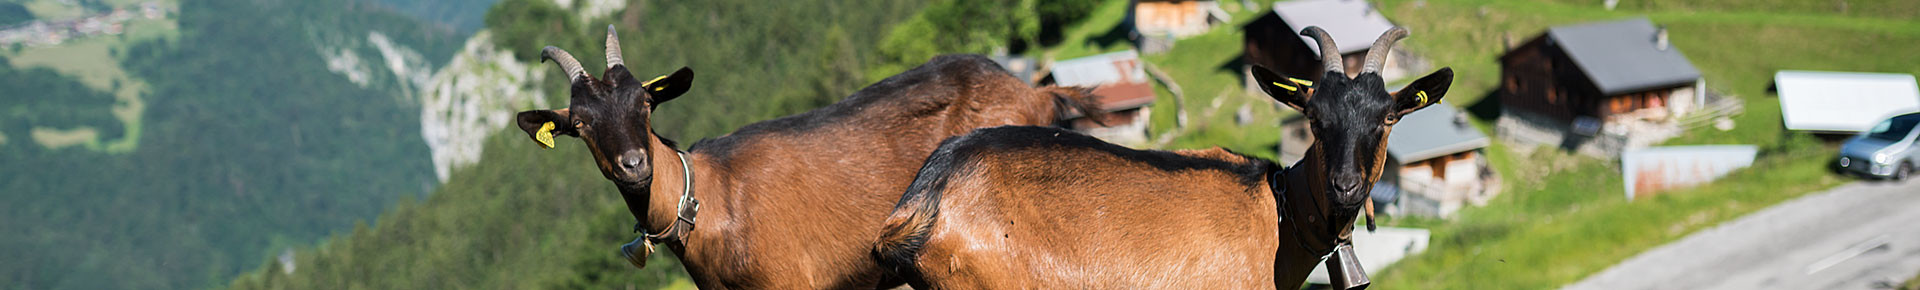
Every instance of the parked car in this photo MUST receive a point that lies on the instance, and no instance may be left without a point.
(1886, 151)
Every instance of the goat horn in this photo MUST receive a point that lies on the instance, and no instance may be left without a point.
(566, 61)
(613, 49)
(1378, 54)
(1329, 53)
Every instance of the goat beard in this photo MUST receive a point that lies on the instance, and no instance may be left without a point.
(1343, 217)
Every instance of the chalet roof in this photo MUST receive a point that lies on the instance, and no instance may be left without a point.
(1433, 132)
(1843, 101)
(1354, 24)
(1117, 78)
(1622, 56)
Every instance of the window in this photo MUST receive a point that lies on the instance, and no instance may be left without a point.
(1893, 129)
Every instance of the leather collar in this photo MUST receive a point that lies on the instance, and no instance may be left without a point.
(688, 208)
(1309, 240)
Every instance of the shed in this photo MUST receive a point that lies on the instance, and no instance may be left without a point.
(1843, 102)
(1436, 160)
(1597, 88)
(1157, 23)
(1124, 91)
(1650, 170)
(1274, 39)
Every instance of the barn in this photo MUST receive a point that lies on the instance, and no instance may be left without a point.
(1597, 88)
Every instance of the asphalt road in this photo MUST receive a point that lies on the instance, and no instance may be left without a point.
(1864, 235)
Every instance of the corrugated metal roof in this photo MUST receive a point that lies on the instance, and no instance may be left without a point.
(1433, 132)
(1843, 101)
(1118, 78)
(1622, 56)
(1354, 24)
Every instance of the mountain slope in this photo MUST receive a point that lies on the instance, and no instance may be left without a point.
(250, 146)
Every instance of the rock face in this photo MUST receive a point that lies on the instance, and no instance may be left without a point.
(461, 104)
(473, 96)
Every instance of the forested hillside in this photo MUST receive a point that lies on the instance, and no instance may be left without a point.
(250, 146)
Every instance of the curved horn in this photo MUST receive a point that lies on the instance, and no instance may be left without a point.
(1329, 53)
(613, 49)
(566, 61)
(1378, 54)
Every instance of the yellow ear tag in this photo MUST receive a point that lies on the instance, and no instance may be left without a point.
(1301, 81)
(545, 136)
(649, 83)
(1422, 95)
(1289, 88)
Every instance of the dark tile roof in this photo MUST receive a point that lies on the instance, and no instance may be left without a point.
(1622, 56)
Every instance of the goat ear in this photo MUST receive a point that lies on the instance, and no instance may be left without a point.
(542, 125)
(1290, 91)
(665, 88)
(1423, 92)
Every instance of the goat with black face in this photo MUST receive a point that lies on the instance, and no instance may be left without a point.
(611, 115)
(1350, 119)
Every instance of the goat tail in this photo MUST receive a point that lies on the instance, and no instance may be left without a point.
(1077, 102)
(905, 231)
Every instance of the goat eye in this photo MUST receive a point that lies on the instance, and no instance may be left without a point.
(579, 124)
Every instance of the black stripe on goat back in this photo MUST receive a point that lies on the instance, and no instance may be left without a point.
(939, 82)
(1013, 138)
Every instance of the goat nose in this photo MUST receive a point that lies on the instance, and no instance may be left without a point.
(1346, 182)
(631, 160)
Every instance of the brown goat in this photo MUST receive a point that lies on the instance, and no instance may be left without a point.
(1028, 207)
(789, 203)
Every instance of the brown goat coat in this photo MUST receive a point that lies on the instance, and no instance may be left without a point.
(1086, 217)
(791, 203)
(1152, 232)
